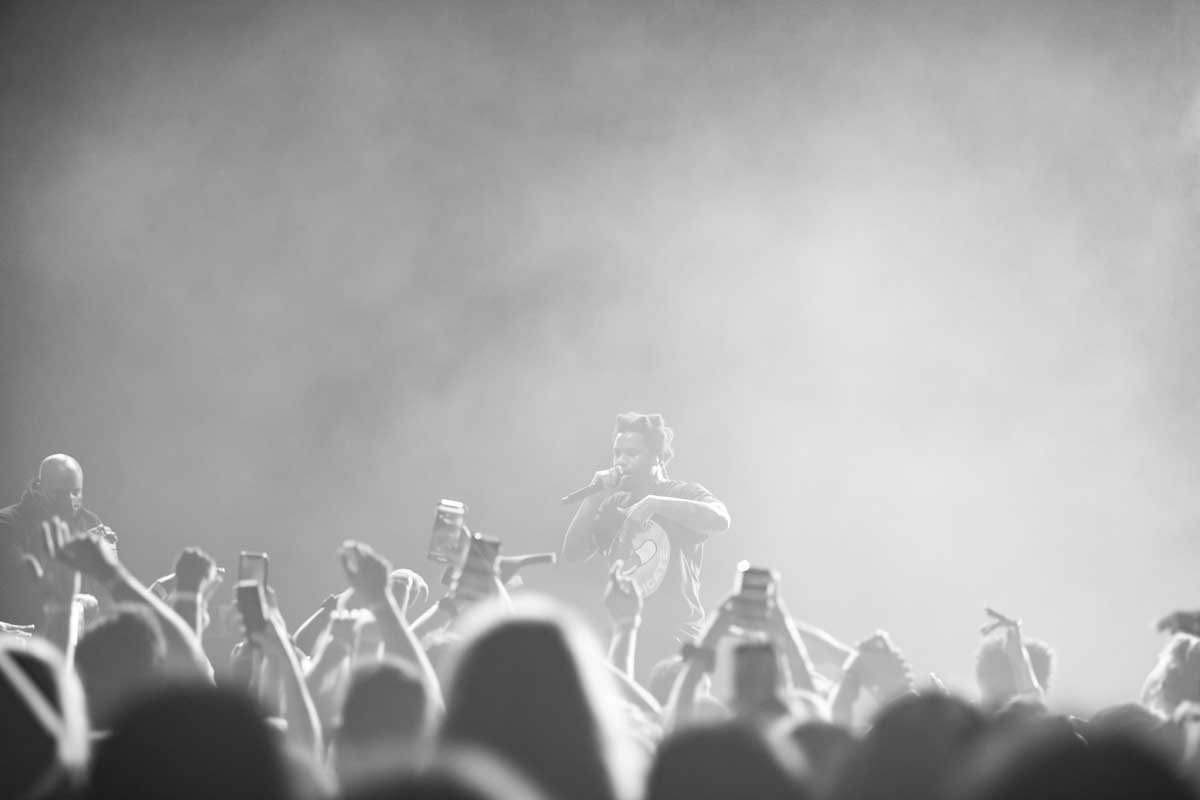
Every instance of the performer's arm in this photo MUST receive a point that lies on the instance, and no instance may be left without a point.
(703, 516)
(580, 541)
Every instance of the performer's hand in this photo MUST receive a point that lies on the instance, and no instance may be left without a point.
(640, 512)
(107, 534)
(608, 478)
(366, 571)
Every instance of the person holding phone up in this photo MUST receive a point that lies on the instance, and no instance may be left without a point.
(655, 527)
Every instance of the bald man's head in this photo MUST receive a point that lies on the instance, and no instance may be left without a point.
(60, 481)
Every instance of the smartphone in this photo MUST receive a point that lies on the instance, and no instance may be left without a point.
(480, 564)
(757, 588)
(252, 605)
(252, 567)
(755, 673)
(445, 542)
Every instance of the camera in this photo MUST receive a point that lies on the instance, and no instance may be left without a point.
(476, 575)
(756, 589)
(446, 539)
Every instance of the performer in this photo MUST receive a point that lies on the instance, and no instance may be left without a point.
(57, 490)
(656, 527)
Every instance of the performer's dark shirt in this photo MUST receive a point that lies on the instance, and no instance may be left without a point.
(674, 612)
(20, 533)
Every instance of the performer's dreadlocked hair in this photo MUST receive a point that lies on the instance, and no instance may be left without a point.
(651, 426)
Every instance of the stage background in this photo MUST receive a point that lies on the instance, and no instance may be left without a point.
(915, 283)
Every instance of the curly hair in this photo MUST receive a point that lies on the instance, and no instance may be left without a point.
(653, 428)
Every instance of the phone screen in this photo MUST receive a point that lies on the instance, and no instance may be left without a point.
(755, 671)
(252, 604)
(253, 567)
(445, 541)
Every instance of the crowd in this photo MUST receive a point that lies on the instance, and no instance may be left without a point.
(494, 695)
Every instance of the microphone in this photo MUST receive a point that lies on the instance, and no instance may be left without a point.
(597, 485)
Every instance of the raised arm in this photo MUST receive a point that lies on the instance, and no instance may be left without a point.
(782, 628)
(705, 517)
(623, 599)
(87, 553)
(306, 635)
(1025, 681)
(196, 578)
(368, 574)
(580, 542)
(700, 660)
(59, 587)
(878, 666)
(304, 726)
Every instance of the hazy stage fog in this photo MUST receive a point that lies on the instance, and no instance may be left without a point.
(917, 289)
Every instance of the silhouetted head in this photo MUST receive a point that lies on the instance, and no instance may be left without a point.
(1135, 721)
(190, 742)
(460, 773)
(45, 740)
(912, 750)
(641, 446)
(530, 686)
(386, 721)
(117, 658)
(993, 673)
(1058, 764)
(723, 761)
(826, 749)
(60, 485)
(1175, 678)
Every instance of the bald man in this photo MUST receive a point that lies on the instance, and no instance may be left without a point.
(57, 489)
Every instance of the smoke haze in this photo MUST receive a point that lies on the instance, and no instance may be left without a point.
(916, 285)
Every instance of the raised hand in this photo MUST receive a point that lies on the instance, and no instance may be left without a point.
(880, 666)
(367, 572)
(998, 621)
(58, 584)
(622, 597)
(1180, 622)
(85, 552)
(730, 614)
(21, 631)
(194, 570)
(106, 534)
(409, 586)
